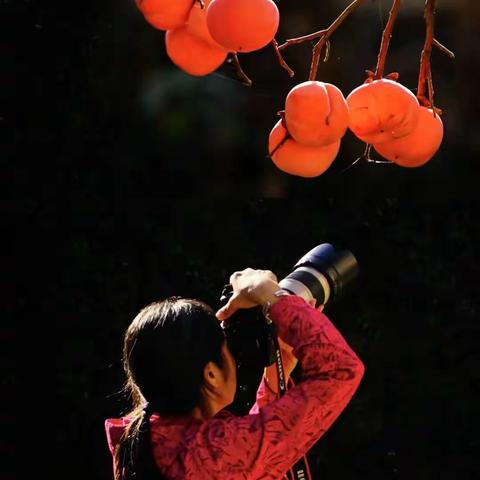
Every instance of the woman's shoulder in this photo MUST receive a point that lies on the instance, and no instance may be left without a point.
(176, 439)
(114, 429)
(173, 437)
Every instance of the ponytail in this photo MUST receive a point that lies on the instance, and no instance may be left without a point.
(134, 456)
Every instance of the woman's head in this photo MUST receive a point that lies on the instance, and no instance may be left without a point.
(176, 359)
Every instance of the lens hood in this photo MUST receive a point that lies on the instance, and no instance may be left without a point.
(339, 266)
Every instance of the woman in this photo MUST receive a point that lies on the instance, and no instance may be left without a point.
(181, 376)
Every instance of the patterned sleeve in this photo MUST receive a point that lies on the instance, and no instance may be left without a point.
(266, 444)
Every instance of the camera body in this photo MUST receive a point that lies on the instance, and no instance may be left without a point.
(321, 274)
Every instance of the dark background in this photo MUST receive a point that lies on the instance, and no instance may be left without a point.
(126, 180)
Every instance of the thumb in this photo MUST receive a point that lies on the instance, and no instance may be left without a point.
(229, 308)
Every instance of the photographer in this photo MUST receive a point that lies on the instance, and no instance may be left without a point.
(181, 376)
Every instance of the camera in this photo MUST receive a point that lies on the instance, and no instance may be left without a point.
(322, 274)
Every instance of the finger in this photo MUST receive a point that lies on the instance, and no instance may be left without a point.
(234, 276)
(229, 308)
(320, 308)
(271, 275)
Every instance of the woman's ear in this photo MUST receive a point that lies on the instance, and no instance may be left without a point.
(212, 376)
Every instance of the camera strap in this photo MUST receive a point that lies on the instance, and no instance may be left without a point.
(301, 469)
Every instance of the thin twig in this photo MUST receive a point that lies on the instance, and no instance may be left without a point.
(425, 69)
(327, 51)
(281, 60)
(431, 91)
(364, 156)
(361, 157)
(305, 38)
(386, 36)
(241, 74)
(369, 159)
(317, 49)
(443, 48)
(381, 162)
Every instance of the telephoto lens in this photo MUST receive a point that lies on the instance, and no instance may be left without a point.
(321, 274)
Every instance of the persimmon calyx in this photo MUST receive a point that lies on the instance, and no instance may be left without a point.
(371, 76)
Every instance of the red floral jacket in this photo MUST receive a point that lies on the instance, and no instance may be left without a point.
(276, 433)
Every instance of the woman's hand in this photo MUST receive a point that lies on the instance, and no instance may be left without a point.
(250, 288)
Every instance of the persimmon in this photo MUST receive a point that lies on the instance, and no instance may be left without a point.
(197, 24)
(191, 53)
(297, 159)
(419, 146)
(243, 25)
(165, 14)
(316, 113)
(382, 110)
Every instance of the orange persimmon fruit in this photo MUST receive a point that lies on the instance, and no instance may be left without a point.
(197, 24)
(243, 25)
(316, 113)
(297, 159)
(165, 14)
(419, 146)
(191, 53)
(382, 110)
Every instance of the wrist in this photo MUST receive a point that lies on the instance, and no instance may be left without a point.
(266, 293)
(273, 298)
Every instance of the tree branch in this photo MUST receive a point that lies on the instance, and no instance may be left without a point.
(324, 36)
(241, 74)
(280, 58)
(386, 36)
(317, 49)
(305, 38)
(425, 74)
(443, 48)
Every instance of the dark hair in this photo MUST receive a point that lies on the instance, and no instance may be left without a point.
(165, 350)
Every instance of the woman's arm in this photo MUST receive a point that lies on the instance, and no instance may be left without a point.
(267, 444)
(267, 391)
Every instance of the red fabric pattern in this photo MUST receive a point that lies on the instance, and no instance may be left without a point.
(266, 443)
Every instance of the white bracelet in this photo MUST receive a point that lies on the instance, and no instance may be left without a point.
(265, 309)
(282, 292)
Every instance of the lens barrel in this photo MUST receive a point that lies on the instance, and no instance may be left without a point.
(322, 274)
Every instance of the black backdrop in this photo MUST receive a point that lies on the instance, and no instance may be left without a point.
(127, 181)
